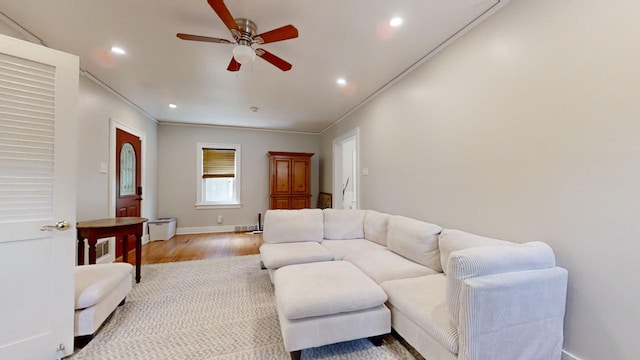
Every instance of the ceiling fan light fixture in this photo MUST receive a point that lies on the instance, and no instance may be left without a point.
(395, 22)
(244, 54)
(118, 50)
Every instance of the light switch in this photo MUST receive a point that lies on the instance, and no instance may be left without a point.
(365, 171)
(103, 168)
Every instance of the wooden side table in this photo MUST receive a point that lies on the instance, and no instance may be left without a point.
(121, 227)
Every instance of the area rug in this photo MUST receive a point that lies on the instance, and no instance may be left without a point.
(210, 309)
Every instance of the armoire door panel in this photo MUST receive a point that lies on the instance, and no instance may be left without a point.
(282, 176)
(281, 203)
(300, 176)
(299, 203)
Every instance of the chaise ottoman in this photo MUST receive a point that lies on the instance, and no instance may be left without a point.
(328, 302)
(99, 289)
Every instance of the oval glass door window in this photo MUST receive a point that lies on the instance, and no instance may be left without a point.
(127, 170)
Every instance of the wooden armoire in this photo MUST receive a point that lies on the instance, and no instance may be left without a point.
(289, 180)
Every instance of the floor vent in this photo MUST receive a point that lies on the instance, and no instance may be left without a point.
(102, 249)
(244, 228)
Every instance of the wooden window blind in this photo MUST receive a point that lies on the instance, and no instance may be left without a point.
(218, 163)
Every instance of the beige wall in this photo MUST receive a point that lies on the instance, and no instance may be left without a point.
(177, 171)
(526, 128)
(97, 107)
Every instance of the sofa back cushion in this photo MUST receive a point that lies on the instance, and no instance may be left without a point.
(376, 226)
(453, 240)
(415, 240)
(283, 226)
(343, 224)
(490, 260)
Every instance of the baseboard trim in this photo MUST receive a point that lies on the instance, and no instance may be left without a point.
(205, 229)
(569, 356)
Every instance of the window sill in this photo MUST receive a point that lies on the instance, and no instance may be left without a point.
(218, 206)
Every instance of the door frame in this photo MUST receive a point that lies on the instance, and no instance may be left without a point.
(337, 167)
(113, 125)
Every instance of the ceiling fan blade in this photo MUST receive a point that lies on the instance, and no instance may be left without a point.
(274, 60)
(221, 9)
(284, 33)
(233, 65)
(203, 38)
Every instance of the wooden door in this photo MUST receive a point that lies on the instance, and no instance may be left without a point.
(281, 177)
(300, 176)
(38, 137)
(128, 186)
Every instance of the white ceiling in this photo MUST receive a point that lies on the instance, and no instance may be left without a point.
(337, 38)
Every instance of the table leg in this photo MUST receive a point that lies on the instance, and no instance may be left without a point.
(92, 249)
(125, 248)
(138, 253)
(80, 250)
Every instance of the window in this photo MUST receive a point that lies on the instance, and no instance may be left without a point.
(127, 170)
(218, 176)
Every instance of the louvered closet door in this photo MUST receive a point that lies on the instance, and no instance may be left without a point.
(38, 107)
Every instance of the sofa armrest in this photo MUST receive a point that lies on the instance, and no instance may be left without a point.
(513, 315)
(480, 261)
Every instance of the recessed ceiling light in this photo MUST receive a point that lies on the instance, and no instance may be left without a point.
(396, 21)
(341, 82)
(118, 50)
(173, 106)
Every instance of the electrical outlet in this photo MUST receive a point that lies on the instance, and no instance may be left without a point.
(219, 219)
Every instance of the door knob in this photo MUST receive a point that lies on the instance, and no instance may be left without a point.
(60, 225)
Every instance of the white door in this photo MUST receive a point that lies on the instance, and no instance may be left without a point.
(345, 170)
(38, 110)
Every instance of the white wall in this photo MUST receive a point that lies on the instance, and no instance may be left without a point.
(526, 128)
(6, 29)
(177, 171)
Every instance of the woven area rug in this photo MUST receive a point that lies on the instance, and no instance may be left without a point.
(210, 309)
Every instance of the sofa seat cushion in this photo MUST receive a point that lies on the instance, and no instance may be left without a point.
(95, 282)
(284, 226)
(383, 265)
(324, 288)
(415, 240)
(422, 300)
(275, 256)
(342, 248)
(343, 224)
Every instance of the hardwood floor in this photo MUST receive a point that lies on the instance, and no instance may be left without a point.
(199, 246)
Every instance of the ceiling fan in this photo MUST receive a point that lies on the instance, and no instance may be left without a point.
(244, 34)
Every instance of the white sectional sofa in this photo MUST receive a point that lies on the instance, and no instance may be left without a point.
(451, 294)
